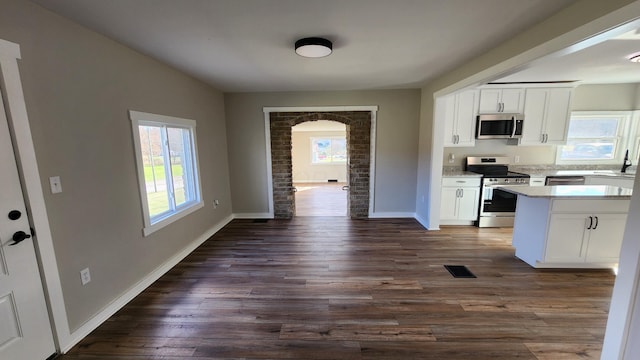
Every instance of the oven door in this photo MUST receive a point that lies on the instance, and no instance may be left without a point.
(496, 202)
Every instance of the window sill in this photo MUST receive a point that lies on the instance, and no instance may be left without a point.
(148, 230)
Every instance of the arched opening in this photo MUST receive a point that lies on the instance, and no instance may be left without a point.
(358, 135)
(319, 162)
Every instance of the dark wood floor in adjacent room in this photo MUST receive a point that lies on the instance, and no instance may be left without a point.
(335, 288)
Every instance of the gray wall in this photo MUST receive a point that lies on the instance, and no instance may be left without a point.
(396, 146)
(78, 88)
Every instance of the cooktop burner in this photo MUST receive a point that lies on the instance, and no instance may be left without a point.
(495, 167)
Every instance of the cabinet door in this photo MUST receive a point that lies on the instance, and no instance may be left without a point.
(609, 180)
(490, 101)
(468, 204)
(450, 121)
(557, 119)
(534, 115)
(449, 203)
(466, 110)
(512, 100)
(605, 240)
(537, 180)
(565, 238)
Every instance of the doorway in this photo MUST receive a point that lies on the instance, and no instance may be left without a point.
(319, 168)
(360, 134)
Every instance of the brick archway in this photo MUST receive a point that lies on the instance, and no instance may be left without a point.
(358, 125)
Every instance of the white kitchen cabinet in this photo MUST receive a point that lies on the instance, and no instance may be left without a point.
(537, 180)
(459, 202)
(570, 233)
(546, 116)
(621, 181)
(460, 118)
(501, 101)
(585, 238)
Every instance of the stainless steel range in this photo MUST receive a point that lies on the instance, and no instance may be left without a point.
(497, 207)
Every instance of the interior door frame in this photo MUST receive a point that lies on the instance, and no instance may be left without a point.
(267, 131)
(15, 107)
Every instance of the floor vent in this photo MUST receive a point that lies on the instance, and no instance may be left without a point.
(332, 180)
(260, 221)
(459, 271)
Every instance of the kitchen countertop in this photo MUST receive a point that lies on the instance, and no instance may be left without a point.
(460, 173)
(613, 173)
(571, 191)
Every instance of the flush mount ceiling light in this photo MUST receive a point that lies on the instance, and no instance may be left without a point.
(313, 47)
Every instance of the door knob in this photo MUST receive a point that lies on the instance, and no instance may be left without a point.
(14, 214)
(19, 236)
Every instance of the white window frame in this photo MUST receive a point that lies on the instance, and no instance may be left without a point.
(141, 118)
(624, 138)
(331, 138)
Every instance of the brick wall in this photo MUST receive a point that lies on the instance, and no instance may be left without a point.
(358, 144)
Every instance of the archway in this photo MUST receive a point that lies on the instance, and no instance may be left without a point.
(359, 126)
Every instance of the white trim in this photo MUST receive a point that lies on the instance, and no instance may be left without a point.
(267, 135)
(25, 153)
(373, 109)
(139, 287)
(141, 118)
(253, 215)
(392, 215)
(423, 222)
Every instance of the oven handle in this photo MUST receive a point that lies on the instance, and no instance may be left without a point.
(513, 132)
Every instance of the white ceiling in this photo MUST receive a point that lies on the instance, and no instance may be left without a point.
(247, 45)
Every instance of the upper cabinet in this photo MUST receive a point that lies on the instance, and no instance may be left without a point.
(460, 118)
(501, 101)
(546, 116)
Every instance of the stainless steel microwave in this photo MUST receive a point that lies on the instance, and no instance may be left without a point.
(499, 126)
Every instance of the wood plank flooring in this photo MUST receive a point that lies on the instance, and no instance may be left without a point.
(321, 199)
(335, 288)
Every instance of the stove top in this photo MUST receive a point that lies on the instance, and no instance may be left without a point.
(492, 167)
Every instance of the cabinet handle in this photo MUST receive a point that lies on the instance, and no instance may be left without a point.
(590, 222)
(595, 227)
(461, 192)
(457, 139)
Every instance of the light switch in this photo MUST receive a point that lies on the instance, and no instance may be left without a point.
(56, 185)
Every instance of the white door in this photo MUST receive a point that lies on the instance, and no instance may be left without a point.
(25, 331)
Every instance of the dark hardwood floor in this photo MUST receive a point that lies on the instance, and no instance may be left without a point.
(335, 288)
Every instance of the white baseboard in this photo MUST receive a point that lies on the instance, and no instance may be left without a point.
(134, 291)
(391, 215)
(424, 223)
(253, 216)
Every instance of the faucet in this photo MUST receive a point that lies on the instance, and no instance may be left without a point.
(626, 163)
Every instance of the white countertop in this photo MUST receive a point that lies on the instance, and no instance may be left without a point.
(460, 173)
(571, 191)
(614, 173)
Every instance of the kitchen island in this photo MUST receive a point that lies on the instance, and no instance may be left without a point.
(570, 226)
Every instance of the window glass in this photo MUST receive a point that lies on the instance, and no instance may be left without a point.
(594, 138)
(167, 168)
(328, 150)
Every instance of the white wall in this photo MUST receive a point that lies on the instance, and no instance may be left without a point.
(303, 169)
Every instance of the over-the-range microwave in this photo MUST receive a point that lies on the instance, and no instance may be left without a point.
(499, 126)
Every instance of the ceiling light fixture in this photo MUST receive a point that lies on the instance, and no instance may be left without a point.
(634, 57)
(314, 47)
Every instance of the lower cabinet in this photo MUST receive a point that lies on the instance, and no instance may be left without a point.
(562, 233)
(590, 238)
(625, 182)
(460, 200)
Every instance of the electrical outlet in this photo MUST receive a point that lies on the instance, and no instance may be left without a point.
(85, 276)
(516, 158)
(216, 203)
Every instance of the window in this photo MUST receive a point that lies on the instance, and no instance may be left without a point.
(331, 150)
(596, 138)
(166, 157)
